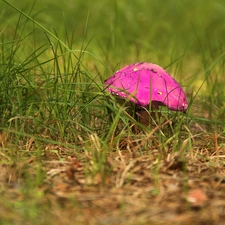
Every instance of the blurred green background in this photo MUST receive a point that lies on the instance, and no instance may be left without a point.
(185, 37)
(127, 31)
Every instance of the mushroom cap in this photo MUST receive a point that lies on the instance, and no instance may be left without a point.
(143, 83)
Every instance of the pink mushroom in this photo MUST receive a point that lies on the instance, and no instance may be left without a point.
(147, 84)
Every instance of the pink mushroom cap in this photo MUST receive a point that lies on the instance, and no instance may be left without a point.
(143, 83)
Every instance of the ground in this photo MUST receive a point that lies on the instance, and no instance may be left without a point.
(131, 188)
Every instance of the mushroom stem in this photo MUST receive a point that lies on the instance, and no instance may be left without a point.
(145, 118)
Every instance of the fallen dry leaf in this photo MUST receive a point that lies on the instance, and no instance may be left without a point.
(72, 169)
(196, 197)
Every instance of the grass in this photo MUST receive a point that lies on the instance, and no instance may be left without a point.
(69, 153)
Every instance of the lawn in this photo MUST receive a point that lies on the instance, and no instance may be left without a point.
(69, 153)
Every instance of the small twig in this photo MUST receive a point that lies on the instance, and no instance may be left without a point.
(216, 144)
(217, 156)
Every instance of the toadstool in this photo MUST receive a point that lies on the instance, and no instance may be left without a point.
(148, 86)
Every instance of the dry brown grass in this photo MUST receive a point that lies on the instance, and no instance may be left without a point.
(124, 187)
